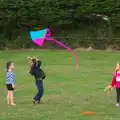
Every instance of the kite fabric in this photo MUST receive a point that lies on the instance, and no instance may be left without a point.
(40, 36)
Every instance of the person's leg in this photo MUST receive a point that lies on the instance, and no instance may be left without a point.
(8, 94)
(12, 97)
(35, 98)
(39, 84)
(117, 93)
(8, 98)
(41, 90)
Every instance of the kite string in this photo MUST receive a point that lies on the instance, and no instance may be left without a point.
(47, 37)
(70, 49)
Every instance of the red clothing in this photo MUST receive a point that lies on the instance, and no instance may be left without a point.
(116, 80)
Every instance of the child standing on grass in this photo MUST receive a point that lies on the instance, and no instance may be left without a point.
(116, 82)
(10, 83)
(39, 75)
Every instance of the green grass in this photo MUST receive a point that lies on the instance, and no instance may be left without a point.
(67, 92)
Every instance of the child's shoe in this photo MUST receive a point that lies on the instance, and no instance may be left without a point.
(33, 101)
(37, 102)
(8, 103)
(117, 105)
(13, 104)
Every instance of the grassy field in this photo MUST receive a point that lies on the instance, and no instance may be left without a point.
(67, 92)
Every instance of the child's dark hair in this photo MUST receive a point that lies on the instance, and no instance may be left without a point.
(34, 61)
(8, 64)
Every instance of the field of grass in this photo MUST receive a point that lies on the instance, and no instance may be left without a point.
(67, 92)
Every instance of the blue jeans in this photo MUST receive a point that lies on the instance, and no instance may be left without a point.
(39, 85)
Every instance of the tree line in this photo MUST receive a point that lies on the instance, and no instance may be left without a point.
(67, 18)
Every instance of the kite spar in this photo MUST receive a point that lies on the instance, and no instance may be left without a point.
(38, 37)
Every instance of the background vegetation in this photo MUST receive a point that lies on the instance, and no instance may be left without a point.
(71, 21)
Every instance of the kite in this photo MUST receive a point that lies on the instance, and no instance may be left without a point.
(40, 36)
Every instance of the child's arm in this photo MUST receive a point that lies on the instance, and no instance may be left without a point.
(39, 63)
(108, 88)
(113, 81)
(32, 70)
(13, 86)
(13, 80)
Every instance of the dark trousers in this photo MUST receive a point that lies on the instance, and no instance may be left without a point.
(118, 94)
(39, 85)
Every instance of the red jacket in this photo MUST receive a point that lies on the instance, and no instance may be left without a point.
(116, 80)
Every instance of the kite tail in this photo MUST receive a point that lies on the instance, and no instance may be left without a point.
(76, 57)
(70, 49)
(48, 34)
(48, 38)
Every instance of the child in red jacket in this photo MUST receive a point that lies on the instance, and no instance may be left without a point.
(115, 82)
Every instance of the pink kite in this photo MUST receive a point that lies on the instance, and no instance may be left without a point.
(38, 37)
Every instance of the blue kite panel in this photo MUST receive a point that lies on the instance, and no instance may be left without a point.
(38, 34)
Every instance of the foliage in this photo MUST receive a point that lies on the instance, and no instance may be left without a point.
(24, 15)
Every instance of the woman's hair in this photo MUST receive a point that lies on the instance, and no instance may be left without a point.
(8, 64)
